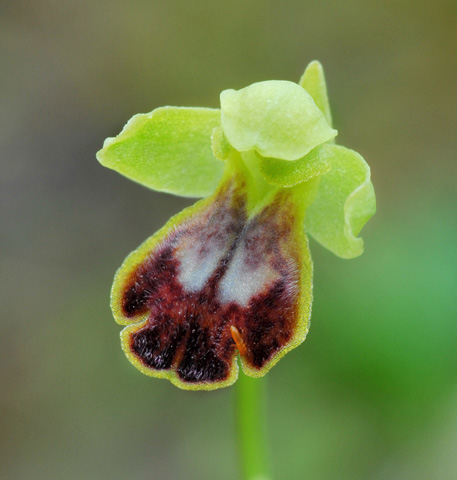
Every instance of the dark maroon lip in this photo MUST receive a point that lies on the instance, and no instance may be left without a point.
(190, 330)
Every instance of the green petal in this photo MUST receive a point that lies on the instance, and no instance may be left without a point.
(276, 118)
(221, 148)
(287, 174)
(168, 150)
(313, 81)
(344, 203)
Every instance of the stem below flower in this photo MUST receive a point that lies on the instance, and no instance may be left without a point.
(250, 417)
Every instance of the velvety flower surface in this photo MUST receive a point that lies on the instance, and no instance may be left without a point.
(232, 275)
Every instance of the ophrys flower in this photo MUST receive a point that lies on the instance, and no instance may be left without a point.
(232, 274)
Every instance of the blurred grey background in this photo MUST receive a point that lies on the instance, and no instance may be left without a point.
(372, 393)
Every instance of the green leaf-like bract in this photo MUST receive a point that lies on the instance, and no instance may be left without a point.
(168, 150)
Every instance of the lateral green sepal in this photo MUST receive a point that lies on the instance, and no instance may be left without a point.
(168, 149)
(345, 201)
(313, 81)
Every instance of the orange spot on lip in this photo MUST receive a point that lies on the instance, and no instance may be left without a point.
(236, 335)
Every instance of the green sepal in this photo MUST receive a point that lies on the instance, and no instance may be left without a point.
(344, 202)
(275, 118)
(313, 81)
(287, 174)
(168, 150)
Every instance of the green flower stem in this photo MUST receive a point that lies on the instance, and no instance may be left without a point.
(250, 416)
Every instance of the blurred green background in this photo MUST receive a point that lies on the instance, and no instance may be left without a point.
(372, 393)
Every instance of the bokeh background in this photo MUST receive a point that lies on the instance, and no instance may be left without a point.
(372, 393)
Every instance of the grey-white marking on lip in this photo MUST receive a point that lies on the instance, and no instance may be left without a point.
(241, 282)
(207, 241)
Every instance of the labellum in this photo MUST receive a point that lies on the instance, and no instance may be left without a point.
(226, 276)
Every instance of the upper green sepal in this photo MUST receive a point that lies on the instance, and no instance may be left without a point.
(275, 118)
(168, 150)
(344, 202)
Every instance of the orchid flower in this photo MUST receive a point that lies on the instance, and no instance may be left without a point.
(231, 276)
